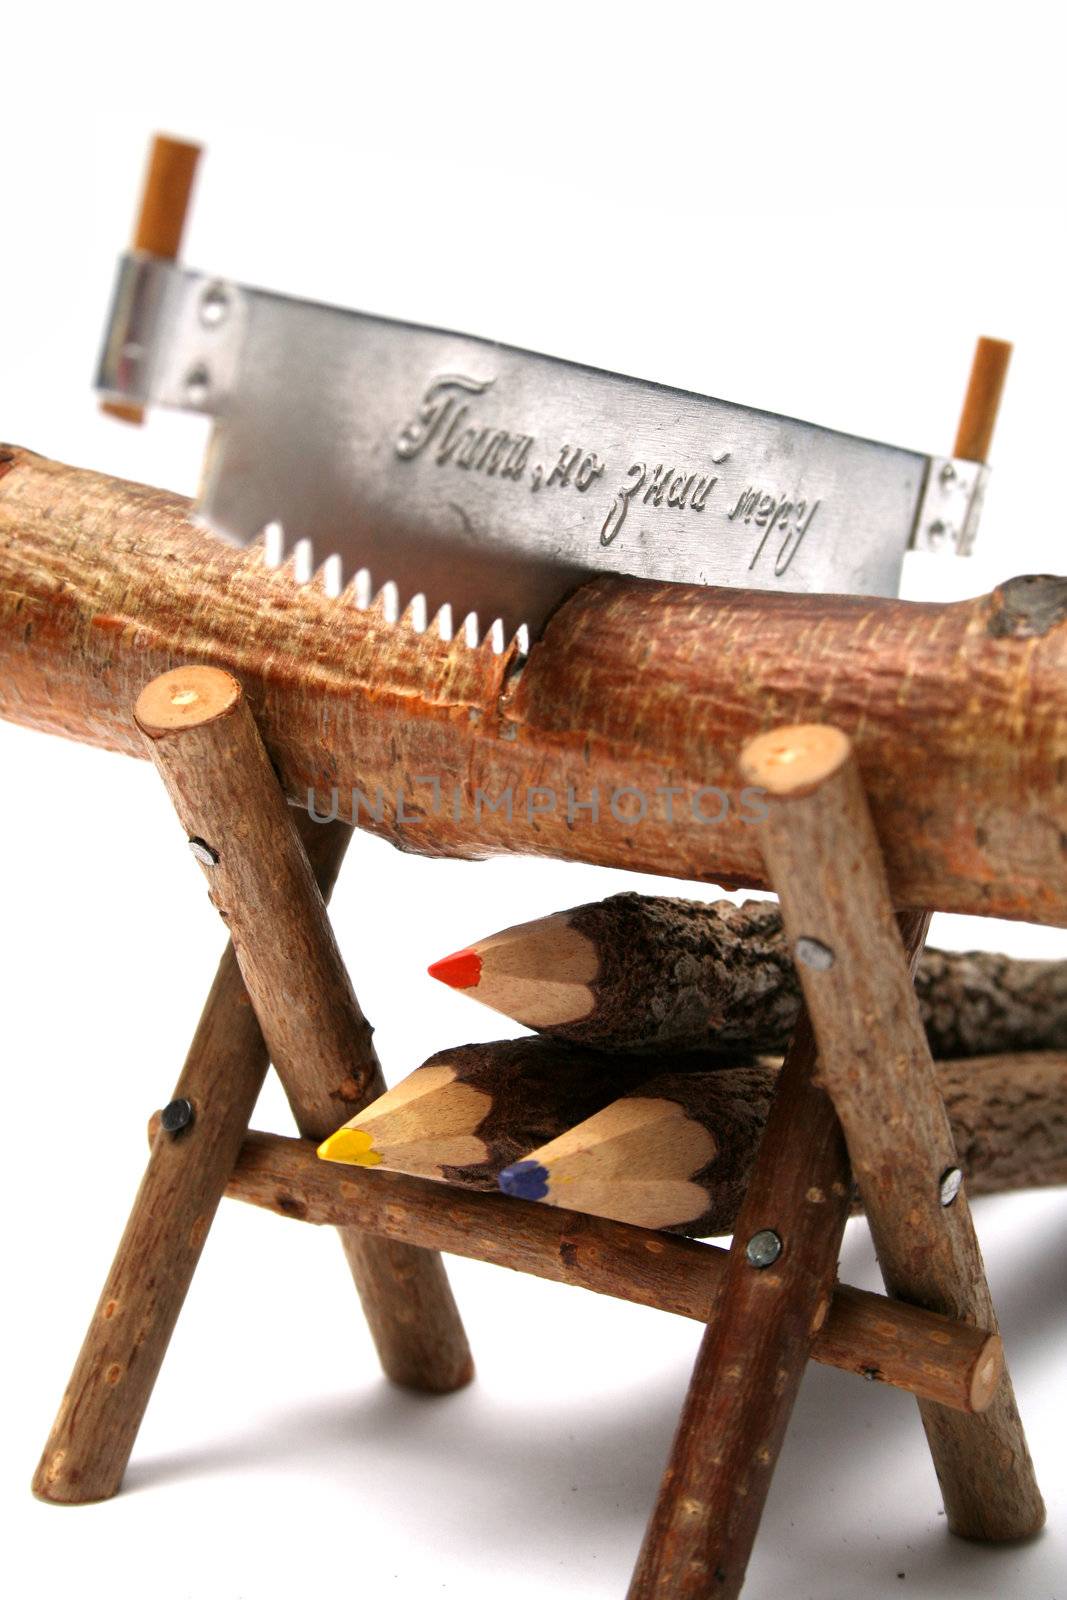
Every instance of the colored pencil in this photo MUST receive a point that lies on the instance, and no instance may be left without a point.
(617, 1137)
(650, 972)
(675, 1152)
(468, 1112)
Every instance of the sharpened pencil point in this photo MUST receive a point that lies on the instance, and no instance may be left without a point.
(460, 971)
(352, 1146)
(526, 1180)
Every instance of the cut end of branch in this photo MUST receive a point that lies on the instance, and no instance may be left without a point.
(794, 760)
(185, 698)
(988, 1371)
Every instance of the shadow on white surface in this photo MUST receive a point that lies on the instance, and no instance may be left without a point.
(545, 1488)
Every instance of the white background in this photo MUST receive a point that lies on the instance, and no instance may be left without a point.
(813, 209)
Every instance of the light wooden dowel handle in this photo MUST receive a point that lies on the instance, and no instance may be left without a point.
(168, 188)
(981, 404)
(165, 199)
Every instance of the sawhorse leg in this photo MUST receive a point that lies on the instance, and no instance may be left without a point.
(824, 860)
(403, 1289)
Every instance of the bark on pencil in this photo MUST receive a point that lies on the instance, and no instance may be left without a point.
(648, 972)
(676, 1153)
(469, 1112)
(633, 686)
(616, 1137)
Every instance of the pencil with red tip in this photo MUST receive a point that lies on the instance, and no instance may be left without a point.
(639, 972)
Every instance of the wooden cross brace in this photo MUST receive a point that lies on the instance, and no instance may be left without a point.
(282, 994)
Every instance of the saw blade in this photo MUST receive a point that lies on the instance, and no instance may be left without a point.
(454, 477)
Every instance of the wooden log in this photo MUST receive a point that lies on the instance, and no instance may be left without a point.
(822, 852)
(648, 972)
(878, 1339)
(201, 736)
(676, 1152)
(468, 1112)
(93, 1435)
(633, 685)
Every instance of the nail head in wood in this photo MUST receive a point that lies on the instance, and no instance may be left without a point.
(951, 1184)
(764, 1248)
(176, 1116)
(813, 953)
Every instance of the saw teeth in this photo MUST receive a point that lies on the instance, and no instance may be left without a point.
(273, 544)
(389, 599)
(496, 637)
(362, 592)
(415, 613)
(444, 623)
(303, 561)
(332, 576)
(297, 561)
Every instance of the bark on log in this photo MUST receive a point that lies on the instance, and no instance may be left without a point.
(822, 851)
(1009, 1119)
(866, 1334)
(650, 686)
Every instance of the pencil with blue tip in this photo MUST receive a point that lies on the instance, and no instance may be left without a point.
(675, 1152)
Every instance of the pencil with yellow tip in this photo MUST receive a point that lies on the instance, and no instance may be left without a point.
(469, 1111)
